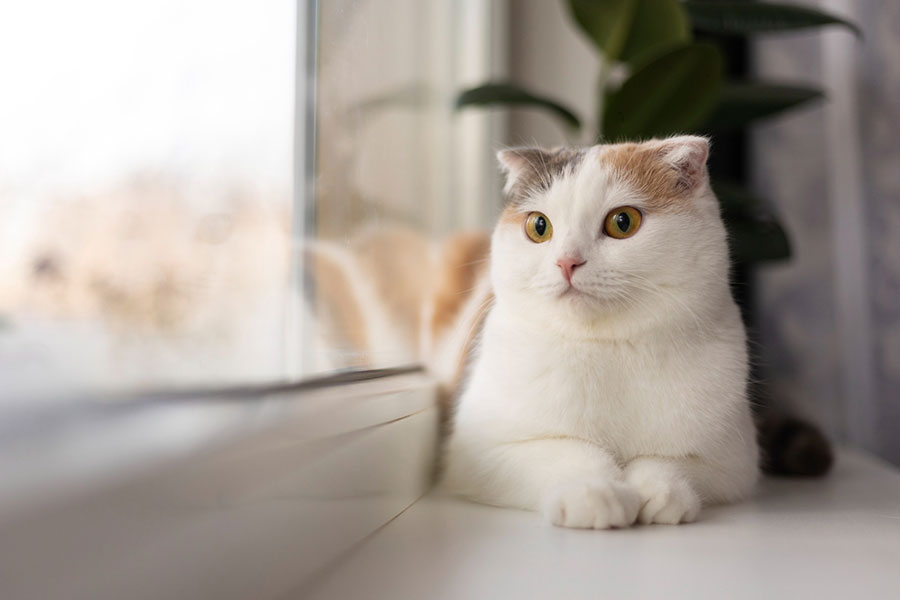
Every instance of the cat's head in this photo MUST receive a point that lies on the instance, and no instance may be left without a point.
(614, 231)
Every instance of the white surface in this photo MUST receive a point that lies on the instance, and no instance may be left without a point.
(51, 454)
(249, 499)
(837, 537)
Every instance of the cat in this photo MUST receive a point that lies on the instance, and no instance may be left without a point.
(159, 276)
(609, 382)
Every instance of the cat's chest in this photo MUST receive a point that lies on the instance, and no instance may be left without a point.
(576, 370)
(599, 390)
(581, 375)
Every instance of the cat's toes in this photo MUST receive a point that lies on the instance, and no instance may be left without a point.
(667, 501)
(666, 496)
(595, 504)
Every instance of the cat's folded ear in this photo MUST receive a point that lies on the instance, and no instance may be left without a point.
(686, 155)
(517, 162)
(530, 170)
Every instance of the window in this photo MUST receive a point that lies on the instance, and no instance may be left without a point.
(145, 193)
(195, 195)
(192, 194)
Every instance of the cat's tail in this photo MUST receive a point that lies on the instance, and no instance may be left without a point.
(791, 446)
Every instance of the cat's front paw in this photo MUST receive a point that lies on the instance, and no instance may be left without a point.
(664, 498)
(594, 504)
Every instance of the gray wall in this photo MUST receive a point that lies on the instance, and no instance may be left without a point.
(830, 330)
(550, 57)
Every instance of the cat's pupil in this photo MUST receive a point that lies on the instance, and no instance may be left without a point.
(623, 222)
(540, 225)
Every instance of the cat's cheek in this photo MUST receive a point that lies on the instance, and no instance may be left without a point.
(592, 504)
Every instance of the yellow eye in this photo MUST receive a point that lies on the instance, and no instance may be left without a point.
(622, 222)
(538, 227)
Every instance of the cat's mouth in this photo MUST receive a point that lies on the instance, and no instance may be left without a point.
(573, 292)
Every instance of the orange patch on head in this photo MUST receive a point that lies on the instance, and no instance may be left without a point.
(663, 171)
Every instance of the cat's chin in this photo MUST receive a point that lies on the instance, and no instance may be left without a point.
(573, 292)
(580, 308)
(572, 297)
(581, 313)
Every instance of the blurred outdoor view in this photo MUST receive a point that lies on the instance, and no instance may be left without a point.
(151, 233)
(145, 193)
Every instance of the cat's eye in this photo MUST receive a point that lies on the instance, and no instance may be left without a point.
(538, 227)
(622, 222)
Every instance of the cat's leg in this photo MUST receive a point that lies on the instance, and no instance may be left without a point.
(673, 489)
(572, 482)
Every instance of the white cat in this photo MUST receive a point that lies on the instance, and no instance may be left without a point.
(609, 382)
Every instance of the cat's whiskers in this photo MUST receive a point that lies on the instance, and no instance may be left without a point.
(618, 291)
(655, 288)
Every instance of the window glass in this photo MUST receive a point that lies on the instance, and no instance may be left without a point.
(397, 170)
(146, 166)
(213, 192)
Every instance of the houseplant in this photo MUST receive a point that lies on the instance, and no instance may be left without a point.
(660, 74)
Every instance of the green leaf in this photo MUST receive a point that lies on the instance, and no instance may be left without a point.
(509, 94)
(754, 232)
(752, 241)
(757, 17)
(626, 30)
(741, 102)
(672, 93)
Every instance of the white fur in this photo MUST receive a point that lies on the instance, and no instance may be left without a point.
(626, 401)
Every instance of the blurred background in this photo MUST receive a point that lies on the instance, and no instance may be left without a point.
(145, 194)
(181, 181)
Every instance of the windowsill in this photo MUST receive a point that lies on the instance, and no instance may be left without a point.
(836, 537)
(211, 497)
(294, 494)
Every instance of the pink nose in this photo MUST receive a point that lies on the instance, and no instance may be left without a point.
(568, 265)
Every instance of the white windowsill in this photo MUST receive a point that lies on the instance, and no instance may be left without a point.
(224, 498)
(298, 494)
(837, 537)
